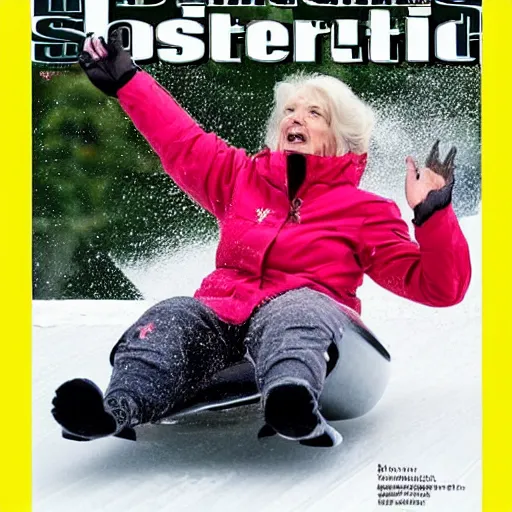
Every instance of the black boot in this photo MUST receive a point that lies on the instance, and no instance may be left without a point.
(292, 412)
(84, 415)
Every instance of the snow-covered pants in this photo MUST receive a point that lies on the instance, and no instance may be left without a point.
(172, 351)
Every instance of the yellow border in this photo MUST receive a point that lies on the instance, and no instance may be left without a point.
(15, 263)
(15, 257)
(497, 282)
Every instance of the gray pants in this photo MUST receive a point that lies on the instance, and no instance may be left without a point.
(171, 352)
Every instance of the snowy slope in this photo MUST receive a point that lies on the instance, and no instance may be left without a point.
(429, 417)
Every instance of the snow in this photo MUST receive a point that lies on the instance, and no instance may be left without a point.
(429, 418)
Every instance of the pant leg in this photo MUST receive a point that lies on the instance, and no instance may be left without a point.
(168, 354)
(288, 339)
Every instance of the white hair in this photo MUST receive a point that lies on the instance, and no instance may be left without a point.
(351, 119)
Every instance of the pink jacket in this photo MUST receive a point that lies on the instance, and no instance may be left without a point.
(335, 234)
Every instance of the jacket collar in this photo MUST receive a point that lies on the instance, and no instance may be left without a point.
(347, 168)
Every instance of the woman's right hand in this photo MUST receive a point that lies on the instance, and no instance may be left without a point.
(108, 65)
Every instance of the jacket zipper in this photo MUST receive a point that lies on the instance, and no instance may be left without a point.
(294, 217)
(294, 214)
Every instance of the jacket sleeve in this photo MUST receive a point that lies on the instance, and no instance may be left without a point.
(200, 163)
(436, 271)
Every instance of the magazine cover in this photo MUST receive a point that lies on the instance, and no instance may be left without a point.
(256, 257)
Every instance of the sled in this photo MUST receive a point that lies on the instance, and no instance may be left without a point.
(358, 371)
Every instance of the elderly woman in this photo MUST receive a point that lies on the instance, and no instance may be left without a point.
(296, 237)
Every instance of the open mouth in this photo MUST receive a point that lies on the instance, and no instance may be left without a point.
(295, 137)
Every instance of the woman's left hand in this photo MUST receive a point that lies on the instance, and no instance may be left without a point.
(434, 176)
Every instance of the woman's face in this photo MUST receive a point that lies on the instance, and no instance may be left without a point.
(305, 127)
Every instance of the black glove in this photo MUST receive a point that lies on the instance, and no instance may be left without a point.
(110, 72)
(437, 199)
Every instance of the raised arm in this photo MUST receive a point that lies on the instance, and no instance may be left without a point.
(436, 271)
(201, 164)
